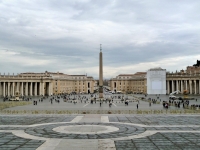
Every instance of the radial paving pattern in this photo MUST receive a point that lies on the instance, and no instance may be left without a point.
(48, 132)
(106, 132)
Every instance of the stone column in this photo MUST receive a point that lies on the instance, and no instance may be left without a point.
(8, 88)
(172, 86)
(26, 92)
(168, 88)
(190, 82)
(31, 90)
(40, 85)
(186, 85)
(13, 89)
(35, 90)
(195, 87)
(18, 86)
(177, 88)
(22, 89)
(199, 86)
(181, 86)
(4, 88)
(42, 88)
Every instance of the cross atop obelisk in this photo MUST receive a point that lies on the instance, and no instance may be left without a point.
(100, 48)
(100, 73)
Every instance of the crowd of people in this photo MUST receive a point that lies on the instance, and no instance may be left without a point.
(108, 100)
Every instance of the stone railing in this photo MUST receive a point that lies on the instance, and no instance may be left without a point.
(183, 75)
(141, 112)
(24, 77)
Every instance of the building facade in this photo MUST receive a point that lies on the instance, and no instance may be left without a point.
(126, 83)
(47, 83)
(28, 84)
(63, 83)
(189, 83)
(156, 81)
(184, 81)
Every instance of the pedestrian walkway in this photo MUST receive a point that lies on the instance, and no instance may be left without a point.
(99, 132)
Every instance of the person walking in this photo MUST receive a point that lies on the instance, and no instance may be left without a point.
(137, 106)
(100, 104)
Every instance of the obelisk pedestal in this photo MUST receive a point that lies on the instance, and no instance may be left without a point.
(100, 74)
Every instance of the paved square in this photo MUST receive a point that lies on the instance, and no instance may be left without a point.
(112, 132)
(98, 131)
(83, 103)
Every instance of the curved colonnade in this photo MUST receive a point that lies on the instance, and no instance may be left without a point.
(25, 86)
(182, 83)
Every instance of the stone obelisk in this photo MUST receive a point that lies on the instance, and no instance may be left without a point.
(100, 74)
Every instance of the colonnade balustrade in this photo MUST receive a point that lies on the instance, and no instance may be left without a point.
(25, 88)
(190, 86)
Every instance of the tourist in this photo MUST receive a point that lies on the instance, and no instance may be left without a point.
(137, 106)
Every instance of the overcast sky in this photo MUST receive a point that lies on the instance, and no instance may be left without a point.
(64, 35)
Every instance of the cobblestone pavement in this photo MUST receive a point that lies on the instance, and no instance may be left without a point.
(10, 141)
(94, 132)
(164, 141)
(33, 119)
(157, 119)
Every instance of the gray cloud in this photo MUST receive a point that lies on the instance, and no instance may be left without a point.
(65, 35)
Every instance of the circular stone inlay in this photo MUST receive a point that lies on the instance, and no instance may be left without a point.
(85, 129)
